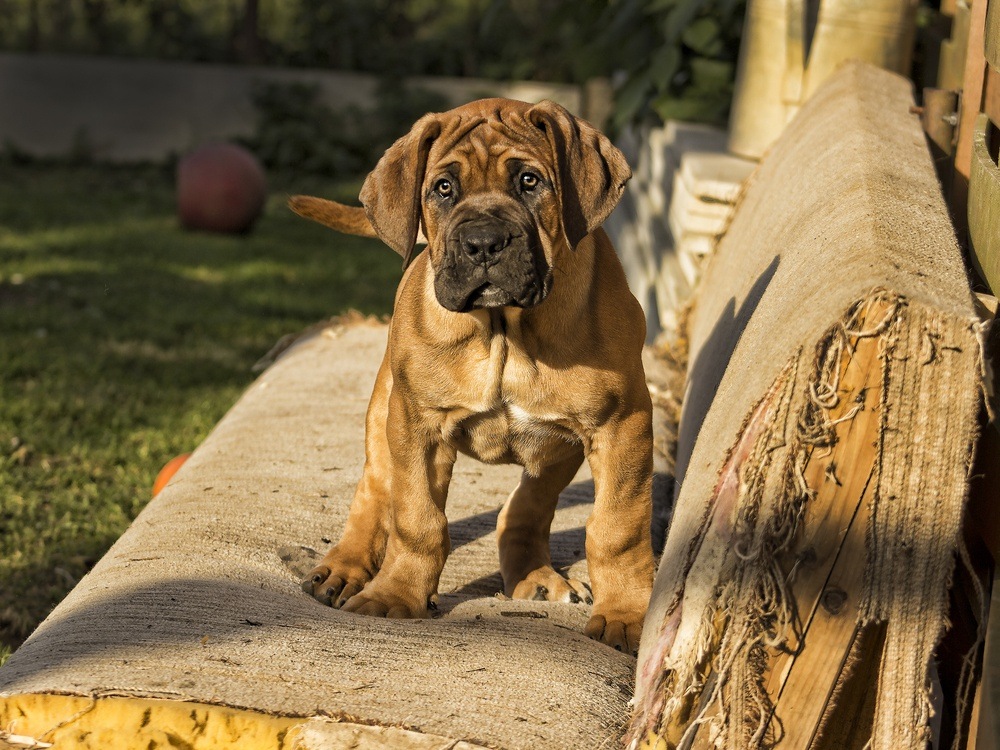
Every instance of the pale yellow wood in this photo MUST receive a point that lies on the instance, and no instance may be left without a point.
(991, 96)
(978, 739)
(67, 722)
(851, 710)
(839, 478)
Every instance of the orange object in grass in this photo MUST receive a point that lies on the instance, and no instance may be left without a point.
(168, 471)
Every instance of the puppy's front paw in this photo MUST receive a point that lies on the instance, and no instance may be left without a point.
(379, 599)
(620, 630)
(336, 579)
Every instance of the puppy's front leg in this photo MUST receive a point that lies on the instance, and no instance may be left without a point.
(421, 466)
(619, 550)
(357, 557)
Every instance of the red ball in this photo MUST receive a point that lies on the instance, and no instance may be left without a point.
(220, 188)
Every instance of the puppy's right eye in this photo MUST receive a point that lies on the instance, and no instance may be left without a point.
(443, 188)
(529, 181)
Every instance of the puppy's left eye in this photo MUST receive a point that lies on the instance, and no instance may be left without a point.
(443, 188)
(529, 181)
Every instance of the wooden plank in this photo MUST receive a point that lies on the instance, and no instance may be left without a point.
(951, 59)
(992, 47)
(984, 205)
(938, 120)
(829, 557)
(979, 741)
(851, 713)
(828, 592)
(973, 87)
(971, 105)
(840, 478)
(991, 96)
(813, 674)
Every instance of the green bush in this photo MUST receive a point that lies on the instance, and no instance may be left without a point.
(680, 57)
(297, 131)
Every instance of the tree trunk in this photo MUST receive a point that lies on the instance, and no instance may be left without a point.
(249, 47)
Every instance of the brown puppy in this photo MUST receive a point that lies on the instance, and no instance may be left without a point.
(514, 340)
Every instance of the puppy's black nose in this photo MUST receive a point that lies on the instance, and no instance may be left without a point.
(483, 243)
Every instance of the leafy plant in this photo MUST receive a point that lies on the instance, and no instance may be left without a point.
(680, 58)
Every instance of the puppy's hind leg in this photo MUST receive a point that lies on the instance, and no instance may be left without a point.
(357, 557)
(523, 536)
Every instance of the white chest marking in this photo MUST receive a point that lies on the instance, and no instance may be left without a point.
(521, 417)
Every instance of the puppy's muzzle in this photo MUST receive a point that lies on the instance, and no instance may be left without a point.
(484, 242)
(491, 262)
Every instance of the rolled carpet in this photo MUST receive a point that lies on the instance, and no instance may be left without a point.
(834, 385)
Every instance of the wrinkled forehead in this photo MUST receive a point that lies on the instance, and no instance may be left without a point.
(485, 146)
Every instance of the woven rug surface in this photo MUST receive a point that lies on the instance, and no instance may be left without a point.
(200, 600)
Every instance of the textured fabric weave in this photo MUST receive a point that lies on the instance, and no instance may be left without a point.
(195, 601)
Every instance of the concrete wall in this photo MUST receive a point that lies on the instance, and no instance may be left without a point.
(141, 110)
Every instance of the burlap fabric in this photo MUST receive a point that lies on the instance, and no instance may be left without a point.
(843, 216)
(200, 600)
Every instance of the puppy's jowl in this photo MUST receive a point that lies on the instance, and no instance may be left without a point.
(514, 340)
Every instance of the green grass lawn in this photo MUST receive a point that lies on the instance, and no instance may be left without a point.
(124, 339)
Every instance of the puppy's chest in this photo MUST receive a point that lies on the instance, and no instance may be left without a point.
(515, 414)
(507, 406)
(510, 433)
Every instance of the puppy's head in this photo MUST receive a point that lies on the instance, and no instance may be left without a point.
(501, 188)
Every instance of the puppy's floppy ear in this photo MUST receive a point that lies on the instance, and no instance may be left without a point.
(592, 172)
(391, 192)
